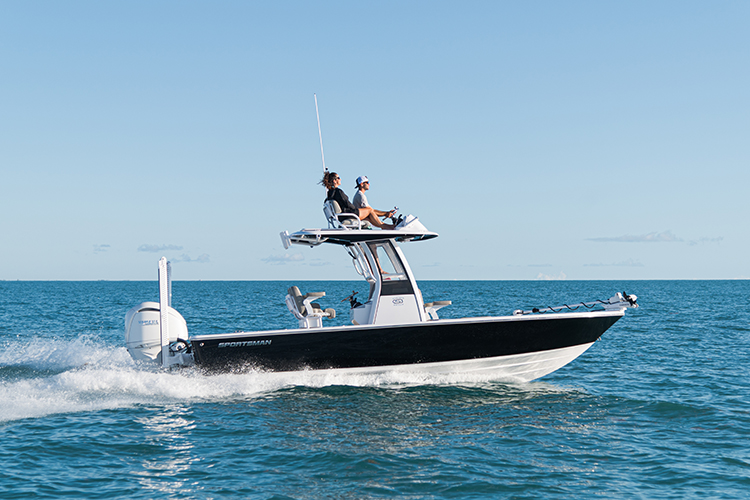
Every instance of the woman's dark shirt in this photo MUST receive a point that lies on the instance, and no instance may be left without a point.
(337, 195)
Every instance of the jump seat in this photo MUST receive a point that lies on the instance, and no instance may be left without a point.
(431, 308)
(309, 314)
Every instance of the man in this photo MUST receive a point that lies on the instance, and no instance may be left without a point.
(360, 199)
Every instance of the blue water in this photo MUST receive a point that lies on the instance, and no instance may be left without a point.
(658, 408)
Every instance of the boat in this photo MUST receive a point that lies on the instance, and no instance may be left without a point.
(392, 329)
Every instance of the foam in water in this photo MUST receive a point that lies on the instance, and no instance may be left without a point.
(81, 376)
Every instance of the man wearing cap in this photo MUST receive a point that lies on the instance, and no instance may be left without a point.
(360, 200)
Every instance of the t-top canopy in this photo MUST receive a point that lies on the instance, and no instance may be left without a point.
(314, 237)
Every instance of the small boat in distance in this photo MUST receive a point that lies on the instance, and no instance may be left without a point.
(393, 329)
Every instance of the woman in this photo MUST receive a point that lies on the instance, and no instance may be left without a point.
(332, 181)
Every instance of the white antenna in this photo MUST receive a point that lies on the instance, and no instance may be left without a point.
(320, 134)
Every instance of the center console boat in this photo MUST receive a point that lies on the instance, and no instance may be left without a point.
(392, 329)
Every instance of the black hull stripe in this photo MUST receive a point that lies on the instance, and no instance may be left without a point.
(402, 345)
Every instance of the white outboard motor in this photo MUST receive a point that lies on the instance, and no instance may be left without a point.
(156, 332)
(143, 331)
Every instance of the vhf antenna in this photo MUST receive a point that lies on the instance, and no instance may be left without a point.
(320, 135)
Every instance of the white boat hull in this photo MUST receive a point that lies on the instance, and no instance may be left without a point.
(516, 367)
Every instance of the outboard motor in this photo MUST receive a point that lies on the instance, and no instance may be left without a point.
(154, 331)
(143, 331)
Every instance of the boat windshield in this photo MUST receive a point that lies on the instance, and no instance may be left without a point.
(388, 263)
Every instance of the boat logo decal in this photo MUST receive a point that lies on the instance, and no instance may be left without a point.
(245, 343)
(145, 322)
(398, 301)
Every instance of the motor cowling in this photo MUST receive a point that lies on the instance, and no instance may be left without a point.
(143, 331)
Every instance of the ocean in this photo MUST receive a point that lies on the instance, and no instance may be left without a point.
(658, 408)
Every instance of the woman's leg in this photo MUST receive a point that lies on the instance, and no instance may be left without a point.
(369, 214)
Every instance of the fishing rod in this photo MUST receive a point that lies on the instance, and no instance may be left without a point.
(320, 135)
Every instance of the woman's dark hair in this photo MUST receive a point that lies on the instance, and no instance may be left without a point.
(328, 179)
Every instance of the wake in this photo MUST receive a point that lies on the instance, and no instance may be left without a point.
(49, 377)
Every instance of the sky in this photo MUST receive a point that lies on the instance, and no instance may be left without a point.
(541, 139)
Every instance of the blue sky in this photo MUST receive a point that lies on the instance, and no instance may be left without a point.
(542, 140)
